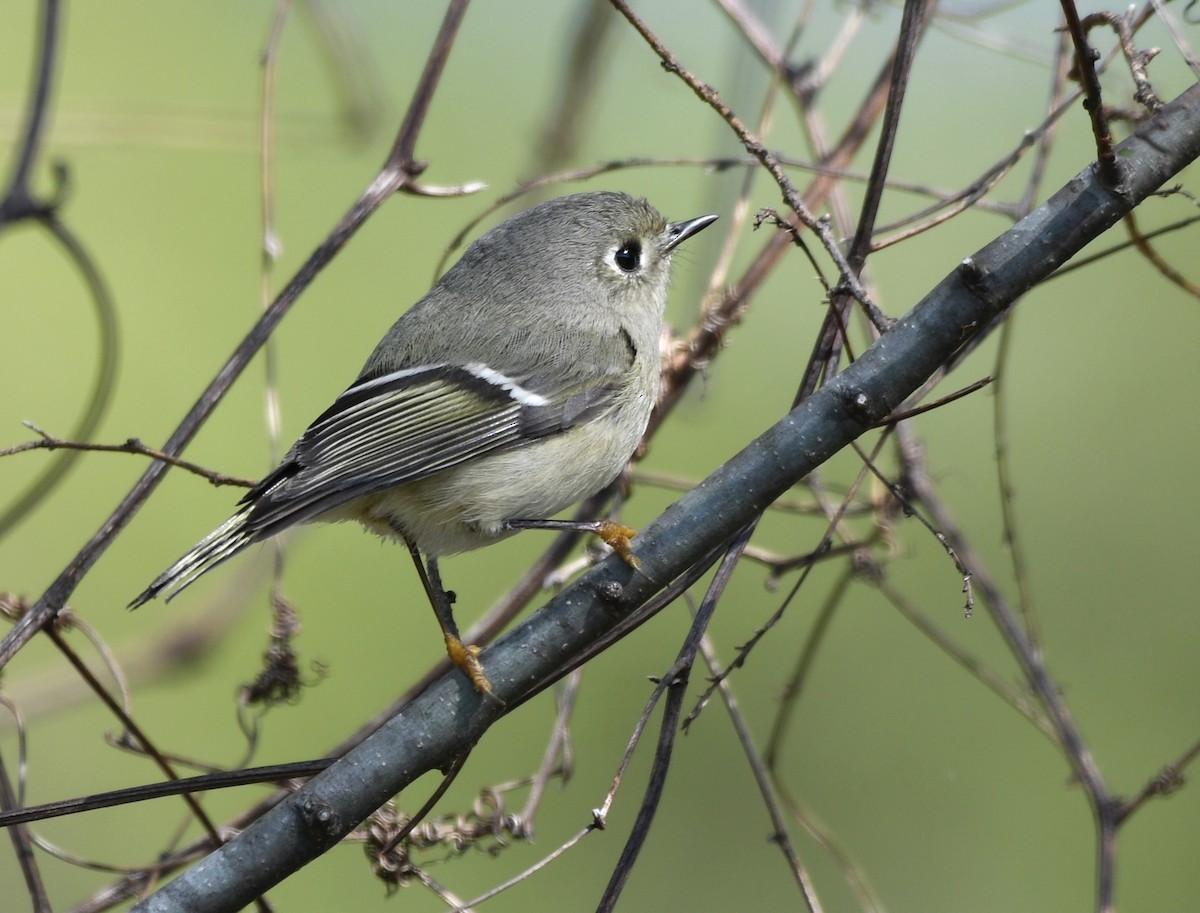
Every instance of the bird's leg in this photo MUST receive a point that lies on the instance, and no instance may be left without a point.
(465, 656)
(614, 535)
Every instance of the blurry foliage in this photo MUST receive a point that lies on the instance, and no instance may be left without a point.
(900, 780)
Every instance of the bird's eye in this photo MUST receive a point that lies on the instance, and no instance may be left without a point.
(628, 256)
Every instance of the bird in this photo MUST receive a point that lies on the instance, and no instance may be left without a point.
(520, 384)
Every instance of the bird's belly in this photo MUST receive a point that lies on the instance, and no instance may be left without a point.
(466, 507)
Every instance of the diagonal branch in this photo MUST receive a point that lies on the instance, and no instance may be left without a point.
(450, 716)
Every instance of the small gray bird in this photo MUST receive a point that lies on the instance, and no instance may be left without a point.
(519, 385)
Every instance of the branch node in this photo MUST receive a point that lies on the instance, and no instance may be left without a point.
(977, 279)
(321, 818)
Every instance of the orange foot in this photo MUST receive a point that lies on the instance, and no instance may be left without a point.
(466, 657)
(617, 538)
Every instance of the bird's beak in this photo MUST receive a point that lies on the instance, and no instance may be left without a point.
(678, 232)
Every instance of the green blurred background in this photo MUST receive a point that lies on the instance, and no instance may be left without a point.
(946, 798)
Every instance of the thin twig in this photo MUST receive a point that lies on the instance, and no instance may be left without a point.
(898, 491)
(1017, 699)
(22, 203)
(810, 562)
(133, 729)
(1146, 249)
(1006, 489)
(902, 415)
(913, 23)
(1136, 60)
(48, 441)
(762, 779)
(1081, 262)
(274, 773)
(398, 174)
(793, 686)
(1165, 782)
(23, 847)
(674, 684)
(542, 863)
(557, 758)
(753, 145)
(1093, 102)
(1070, 738)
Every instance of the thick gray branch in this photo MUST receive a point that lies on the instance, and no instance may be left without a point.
(448, 718)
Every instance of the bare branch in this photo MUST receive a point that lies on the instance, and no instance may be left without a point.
(47, 441)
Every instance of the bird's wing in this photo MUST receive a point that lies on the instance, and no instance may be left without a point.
(387, 430)
(405, 426)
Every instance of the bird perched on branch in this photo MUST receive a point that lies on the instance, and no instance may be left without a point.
(519, 385)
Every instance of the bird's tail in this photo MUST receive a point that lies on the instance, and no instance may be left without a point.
(221, 544)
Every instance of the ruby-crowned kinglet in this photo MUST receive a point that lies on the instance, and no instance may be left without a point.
(519, 385)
